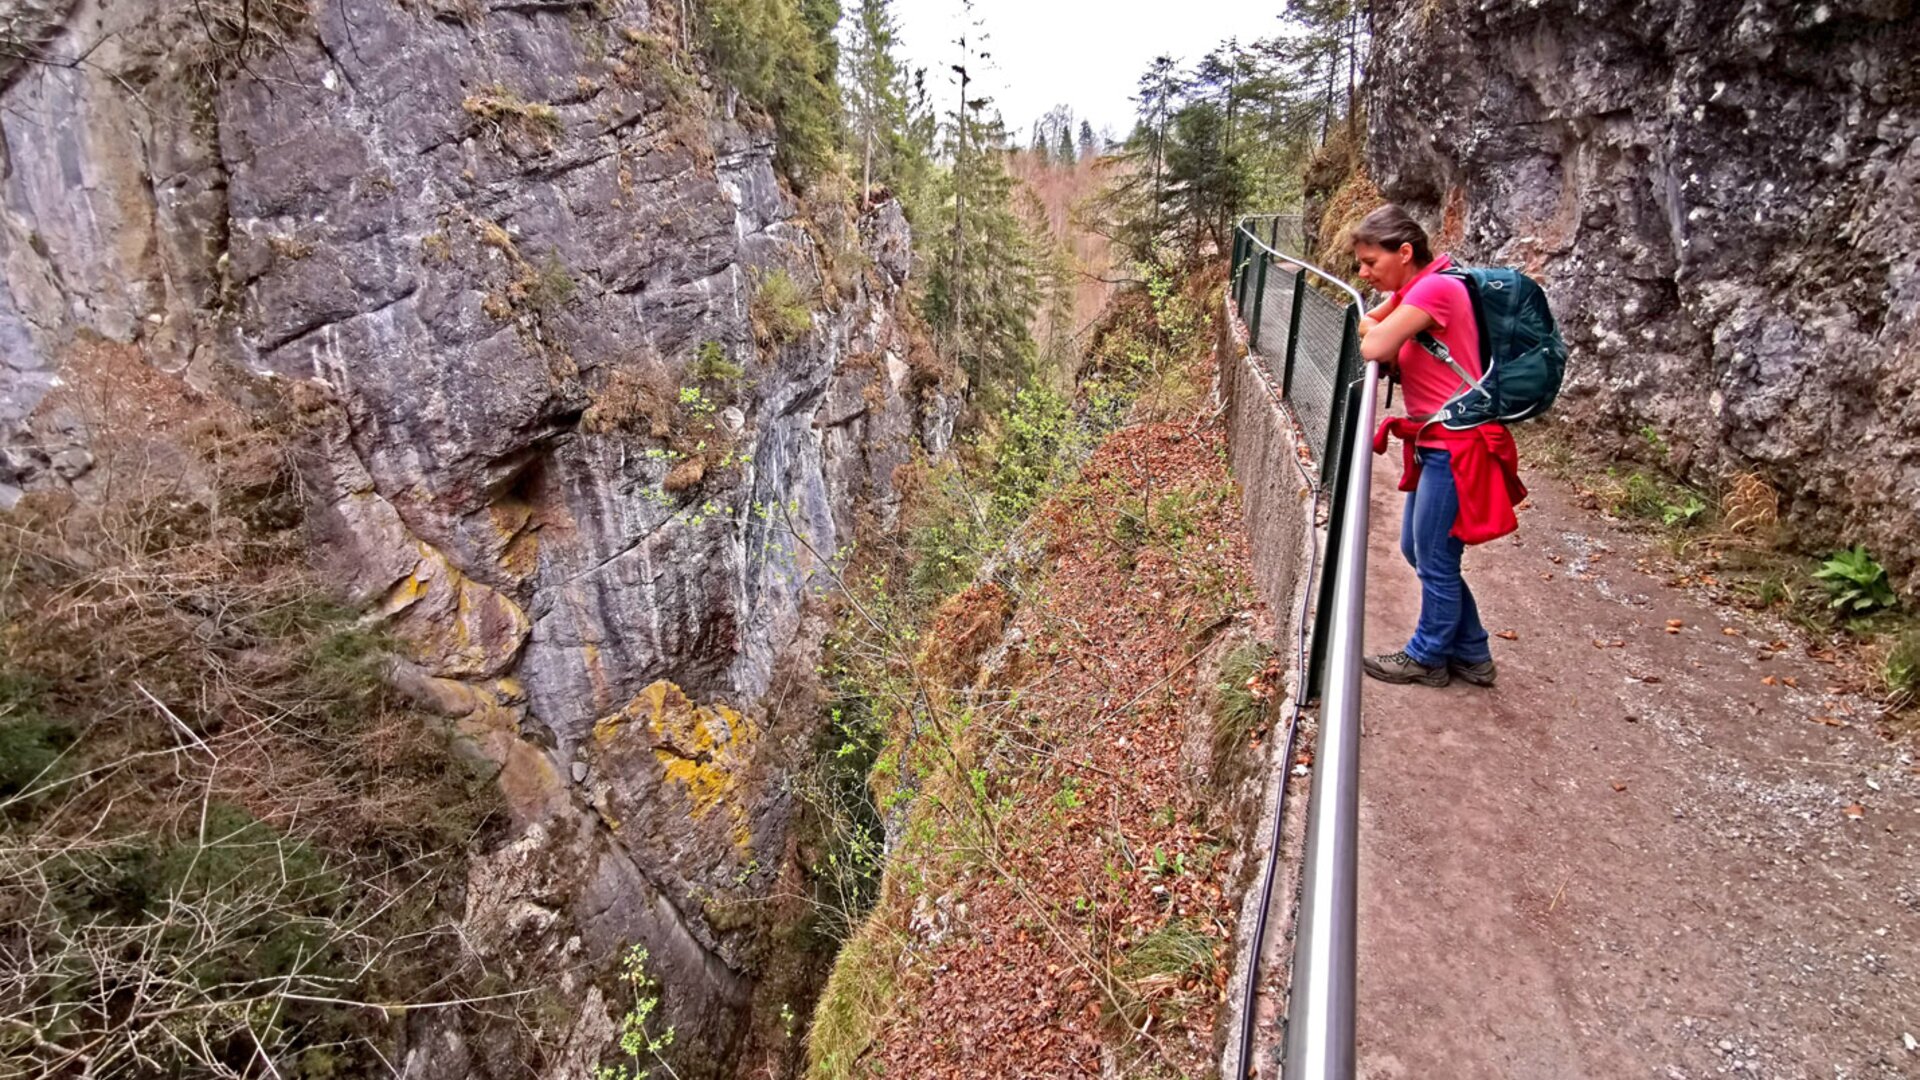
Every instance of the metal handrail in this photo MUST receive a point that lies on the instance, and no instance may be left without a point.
(1303, 264)
(1320, 1003)
(1320, 1009)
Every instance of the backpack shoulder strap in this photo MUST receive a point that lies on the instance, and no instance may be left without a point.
(1440, 352)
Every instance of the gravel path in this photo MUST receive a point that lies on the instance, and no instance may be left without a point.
(1656, 854)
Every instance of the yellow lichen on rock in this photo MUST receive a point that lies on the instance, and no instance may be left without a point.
(702, 750)
(454, 626)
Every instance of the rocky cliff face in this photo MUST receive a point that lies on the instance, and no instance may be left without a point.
(1720, 197)
(595, 398)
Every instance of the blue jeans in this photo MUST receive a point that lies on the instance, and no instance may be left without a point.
(1449, 627)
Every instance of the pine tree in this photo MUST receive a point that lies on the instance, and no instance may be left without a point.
(1088, 144)
(980, 288)
(1207, 184)
(1328, 46)
(876, 92)
(1159, 87)
(911, 151)
(1048, 131)
(781, 55)
(1064, 152)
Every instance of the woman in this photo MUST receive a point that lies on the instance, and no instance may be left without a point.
(1394, 257)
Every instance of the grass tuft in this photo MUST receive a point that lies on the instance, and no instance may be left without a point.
(781, 310)
(1244, 693)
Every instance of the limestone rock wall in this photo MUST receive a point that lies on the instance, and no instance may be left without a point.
(1720, 197)
(505, 255)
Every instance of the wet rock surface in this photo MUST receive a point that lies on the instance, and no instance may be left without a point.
(1719, 198)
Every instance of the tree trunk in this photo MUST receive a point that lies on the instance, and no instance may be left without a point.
(959, 220)
(1326, 100)
(1353, 39)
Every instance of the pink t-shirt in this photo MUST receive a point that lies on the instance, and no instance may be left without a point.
(1427, 382)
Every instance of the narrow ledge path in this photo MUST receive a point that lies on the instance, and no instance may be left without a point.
(1645, 854)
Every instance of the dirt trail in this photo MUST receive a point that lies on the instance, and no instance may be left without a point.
(1590, 873)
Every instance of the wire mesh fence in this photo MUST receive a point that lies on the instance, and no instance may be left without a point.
(1281, 232)
(1308, 341)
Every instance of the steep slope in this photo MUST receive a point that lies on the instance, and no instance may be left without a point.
(592, 394)
(1076, 752)
(1721, 198)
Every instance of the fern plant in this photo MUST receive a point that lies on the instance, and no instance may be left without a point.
(1856, 581)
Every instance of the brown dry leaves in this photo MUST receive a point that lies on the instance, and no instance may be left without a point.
(1103, 839)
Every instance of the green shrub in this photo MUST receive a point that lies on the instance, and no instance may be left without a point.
(710, 364)
(850, 842)
(780, 309)
(1036, 437)
(1856, 582)
(641, 1048)
(30, 752)
(1684, 512)
(549, 287)
(1650, 498)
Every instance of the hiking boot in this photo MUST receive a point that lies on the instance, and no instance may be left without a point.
(1398, 667)
(1480, 674)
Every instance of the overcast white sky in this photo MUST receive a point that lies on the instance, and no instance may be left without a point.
(1082, 54)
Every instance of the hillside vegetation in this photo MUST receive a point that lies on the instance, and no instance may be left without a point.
(226, 847)
(1056, 755)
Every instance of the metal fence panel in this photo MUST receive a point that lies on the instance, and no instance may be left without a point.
(1304, 327)
(1276, 318)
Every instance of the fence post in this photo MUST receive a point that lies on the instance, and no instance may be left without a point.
(1293, 331)
(1345, 372)
(1239, 265)
(1259, 301)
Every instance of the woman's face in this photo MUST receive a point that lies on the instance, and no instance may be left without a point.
(1384, 270)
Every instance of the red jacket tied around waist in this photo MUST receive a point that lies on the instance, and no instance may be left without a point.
(1486, 473)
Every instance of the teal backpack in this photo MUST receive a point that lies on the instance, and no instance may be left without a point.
(1523, 356)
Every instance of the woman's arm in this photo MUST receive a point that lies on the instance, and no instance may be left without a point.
(1382, 343)
(1372, 318)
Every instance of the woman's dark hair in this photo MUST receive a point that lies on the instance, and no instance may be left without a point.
(1388, 227)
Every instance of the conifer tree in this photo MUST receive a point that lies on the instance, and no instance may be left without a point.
(1159, 87)
(1326, 49)
(781, 55)
(1089, 145)
(980, 288)
(876, 92)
